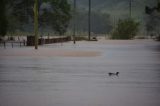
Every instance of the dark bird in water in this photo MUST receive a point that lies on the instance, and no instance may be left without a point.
(113, 74)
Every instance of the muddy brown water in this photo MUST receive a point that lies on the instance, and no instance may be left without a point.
(84, 81)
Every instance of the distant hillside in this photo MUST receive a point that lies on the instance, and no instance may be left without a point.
(116, 7)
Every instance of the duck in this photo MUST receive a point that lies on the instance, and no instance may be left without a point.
(113, 74)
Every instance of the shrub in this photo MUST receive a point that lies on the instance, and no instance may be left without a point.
(126, 29)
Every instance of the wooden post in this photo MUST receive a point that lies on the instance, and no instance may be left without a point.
(36, 23)
(20, 43)
(12, 44)
(24, 42)
(4, 44)
(89, 20)
(75, 19)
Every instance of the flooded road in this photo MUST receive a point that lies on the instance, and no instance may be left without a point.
(84, 81)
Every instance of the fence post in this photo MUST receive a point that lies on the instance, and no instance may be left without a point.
(4, 44)
(24, 42)
(20, 43)
(12, 44)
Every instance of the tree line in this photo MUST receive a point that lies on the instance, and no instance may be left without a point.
(17, 15)
(56, 15)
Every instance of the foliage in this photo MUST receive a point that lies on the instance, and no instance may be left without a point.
(152, 25)
(153, 20)
(23, 10)
(126, 29)
(61, 15)
(3, 21)
(57, 16)
(19, 15)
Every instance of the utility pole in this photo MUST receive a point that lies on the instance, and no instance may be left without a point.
(89, 21)
(130, 8)
(74, 26)
(36, 23)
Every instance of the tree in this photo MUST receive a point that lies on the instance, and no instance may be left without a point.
(19, 15)
(153, 20)
(36, 23)
(58, 16)
(3, 19)
(13, 24)
(126, 29)
(61, 15)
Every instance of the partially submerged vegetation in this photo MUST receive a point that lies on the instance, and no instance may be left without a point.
(126, 29)
(56, 16)
(18, 16)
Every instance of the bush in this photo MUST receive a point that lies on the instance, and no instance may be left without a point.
(126, 29)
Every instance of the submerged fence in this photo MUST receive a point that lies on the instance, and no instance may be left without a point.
(13, 43)
(41, 41)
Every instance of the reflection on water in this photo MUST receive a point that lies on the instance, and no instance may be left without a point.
(78, 81)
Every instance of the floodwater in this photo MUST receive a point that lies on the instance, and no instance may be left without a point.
(84, 81)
